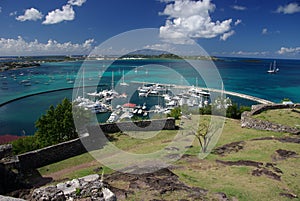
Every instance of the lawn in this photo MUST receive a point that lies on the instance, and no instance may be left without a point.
(289, 117)
(236, 181)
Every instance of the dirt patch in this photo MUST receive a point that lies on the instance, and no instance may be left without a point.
(229, 148)
(158, 183)
(282, 154)
(268, 173)
(269, 169)
(280, 139)
(241, 163)
(288, 195)
(57, 176)
(285, 153)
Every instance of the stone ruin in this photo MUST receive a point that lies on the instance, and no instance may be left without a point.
(90, 186)
(247, 121)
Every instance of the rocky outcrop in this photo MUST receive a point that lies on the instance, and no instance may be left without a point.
(90, 186)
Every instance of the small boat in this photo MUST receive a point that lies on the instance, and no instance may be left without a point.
(123, 83)
(113, 117)
(273, 69)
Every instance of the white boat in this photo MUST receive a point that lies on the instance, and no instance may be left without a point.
(113, 117)
(273, 69)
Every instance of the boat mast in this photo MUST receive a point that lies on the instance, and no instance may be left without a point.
(112, 80)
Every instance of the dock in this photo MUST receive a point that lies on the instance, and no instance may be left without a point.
(245, 96)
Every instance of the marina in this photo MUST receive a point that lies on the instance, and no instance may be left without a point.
(246, 83)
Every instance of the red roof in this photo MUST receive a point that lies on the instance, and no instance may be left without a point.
(8, 138)
(131, 105)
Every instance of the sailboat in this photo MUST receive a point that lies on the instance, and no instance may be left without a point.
(123, 83)
(273, 69)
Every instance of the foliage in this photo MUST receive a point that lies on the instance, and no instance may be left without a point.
(233, 111)
(175, 112)
(57, 125)
(25, 144)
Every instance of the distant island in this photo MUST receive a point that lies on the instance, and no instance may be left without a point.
(12, 63)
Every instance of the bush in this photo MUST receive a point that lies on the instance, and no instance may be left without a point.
(25, 144)
(175, 112)
(55, 126)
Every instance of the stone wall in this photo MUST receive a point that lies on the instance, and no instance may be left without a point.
(146, 125)
(5, 151)
(51, 154)
(247, 121)
(257, 109)
(62, 151)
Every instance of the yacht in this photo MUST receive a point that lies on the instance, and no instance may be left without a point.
(273, 69)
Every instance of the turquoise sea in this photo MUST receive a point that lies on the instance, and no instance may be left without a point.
(22, 102)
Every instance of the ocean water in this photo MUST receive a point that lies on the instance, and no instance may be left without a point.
(22, 105)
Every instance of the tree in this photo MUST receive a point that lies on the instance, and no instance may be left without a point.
(203, 136)
(175, 112)
(57, 125)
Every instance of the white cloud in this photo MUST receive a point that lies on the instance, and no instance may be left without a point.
(189, 20)
(245, 53)
(13, 13)
(227, 35)
(237, 22)
(16, 47)
(289, 8)
(76, 2)
(66, 14)
(264, 31)
(30, 14)
(0, 9)
(291, 50)
(236, 7)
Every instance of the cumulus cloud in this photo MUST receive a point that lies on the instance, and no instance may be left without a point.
(264, 31)
(30, 14)
(236, 7)
(76, 2)
(290, 50)
(189, 20)
(66, 14)
(237, 22)
(227, 35)
(289, 8)
(16, 47)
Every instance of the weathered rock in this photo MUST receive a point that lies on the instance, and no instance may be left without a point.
(69, 187)
(49, 193)
(108, 195)
(87, 188)
(6, 198)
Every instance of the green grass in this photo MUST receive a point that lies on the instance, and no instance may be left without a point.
(281, 116)
(235, 181)
(71, 162)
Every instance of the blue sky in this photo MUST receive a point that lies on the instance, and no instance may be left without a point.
(243, 28)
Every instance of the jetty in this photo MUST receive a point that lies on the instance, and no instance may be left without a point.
(245, 96)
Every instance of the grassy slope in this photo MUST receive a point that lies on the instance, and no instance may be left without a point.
(235, 181)
(281, 116)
